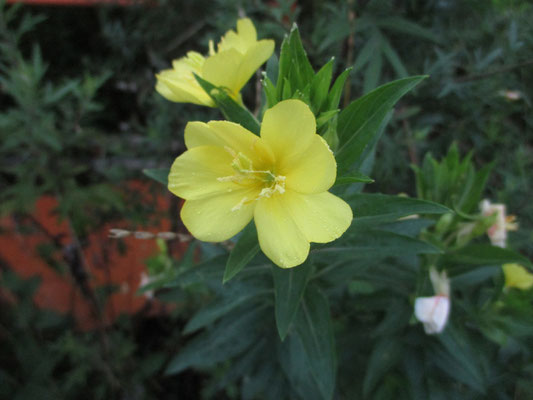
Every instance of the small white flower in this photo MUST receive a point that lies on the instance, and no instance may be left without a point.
(433, 311)
(498, 232)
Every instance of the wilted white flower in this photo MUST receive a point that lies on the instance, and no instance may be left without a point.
(433, 311)
(512, 95)
(498, 232)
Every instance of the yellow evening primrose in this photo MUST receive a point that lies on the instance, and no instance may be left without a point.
(517, 276)
(229, 176)
(238, 56)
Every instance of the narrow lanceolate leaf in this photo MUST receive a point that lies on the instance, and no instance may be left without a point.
(295, 365)
(320, 86)
(232, 298)
(360, 121)
(158, 174)
(313, 325)
(335, 93)
(484, 254)
(301, 63)
(402, 25)
(289, 287)
(232, 335)
(245, 249)
(353, 177)
(232, 110)
(372, 209)
(374, 243)
(384, 357)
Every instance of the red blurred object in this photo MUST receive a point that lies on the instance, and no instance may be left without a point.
(105, 264)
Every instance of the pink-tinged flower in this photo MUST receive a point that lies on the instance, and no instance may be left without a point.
(498, 231)
(434, 311)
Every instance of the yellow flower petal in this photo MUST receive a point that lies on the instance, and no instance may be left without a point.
(321, 217)
(182, 93)
(179, 84)
(517, 276)
(228, 135)
(194, 174)
(256, 56)
(279, 237)
(314, 171)
(289, 129)
(218, 218)
(221, 69)
(242, 40)
(246, 31)
(239, 55)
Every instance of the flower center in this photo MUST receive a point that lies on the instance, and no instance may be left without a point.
(246, 175)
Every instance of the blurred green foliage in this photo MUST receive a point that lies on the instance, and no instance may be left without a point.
(79, 113)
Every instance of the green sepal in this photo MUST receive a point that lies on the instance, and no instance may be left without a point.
(244, 251)
(232, 110)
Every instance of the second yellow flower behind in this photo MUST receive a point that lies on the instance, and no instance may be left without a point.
(239, 55)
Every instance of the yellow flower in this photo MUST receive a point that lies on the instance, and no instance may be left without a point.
(517, 276)
(228, 176)
(239, 55)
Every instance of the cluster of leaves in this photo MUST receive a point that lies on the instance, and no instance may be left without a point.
(46, 132)
(43, 356)
(380, 263)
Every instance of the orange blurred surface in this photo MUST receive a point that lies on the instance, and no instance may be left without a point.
(105, 264)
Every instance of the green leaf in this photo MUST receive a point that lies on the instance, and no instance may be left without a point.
(231, 336)
(283, 68)
(365, 53)
(295, 365)
(313, 325)
(232, 298)
(459, 358)
(473, 189)
(244, 251)
(289, 287)
(354, 177)
(475, 276)
(394, 59)
(320, 86)
(295, 71)
(287, 89)
(232, 110)
(484, 254)
(272, 69)
(402, 25)
(158, 174)
(325, 117)
(335, 93)
(385, 356)
(373, 209)
(270, 92)
(301, 63)
(360, 121)
(374, 243)
(373, 71)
